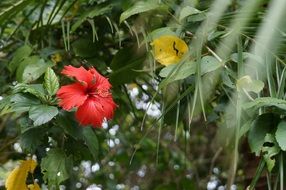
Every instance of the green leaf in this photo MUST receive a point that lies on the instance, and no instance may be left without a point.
(169, 186)
(178, 71)
(91, 141)
(196, 17)
(280, 135)
(226, 79)
(85, 48)
(19, 55)
(183, 70)
(245, 128)
(260, 127)
(209, 64)
(160, 32)
(97, 11)
(215, 34)
(56, 167)
(188, 11)
(51, 82)
(25, 124)
(31, 68)
(69, 125)
(32, 138)
(269, 150)
(14, 8)
(33, 89)
(170, 93)
(245, 83)
(124, 65)
(42, 114)
(5, 105)
(245, 55)
(140, 7)
(266, 102)
(234, 56)
(77, 149)
(22, 103)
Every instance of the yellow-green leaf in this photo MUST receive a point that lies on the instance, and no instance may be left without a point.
(141, 7)
(17, 178)
(51, 82)
(169, 49)
(249, 85)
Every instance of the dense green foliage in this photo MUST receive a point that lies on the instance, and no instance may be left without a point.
(214, 120)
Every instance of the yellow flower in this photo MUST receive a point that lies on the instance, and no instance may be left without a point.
(56, 58)
(169, 49)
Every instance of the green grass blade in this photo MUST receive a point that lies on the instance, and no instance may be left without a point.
(258, 173)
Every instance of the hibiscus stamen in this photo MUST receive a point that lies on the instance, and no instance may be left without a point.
(99, 92)
(93, 81)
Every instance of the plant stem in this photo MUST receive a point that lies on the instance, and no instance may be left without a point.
(281, 171)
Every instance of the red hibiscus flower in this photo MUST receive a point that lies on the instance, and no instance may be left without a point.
(90, 94)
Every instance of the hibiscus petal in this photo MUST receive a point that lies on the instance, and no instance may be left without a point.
(90, 113)
(72, 95)
(94, 110)
(81, 74)
(100, 81)
(108, 106)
